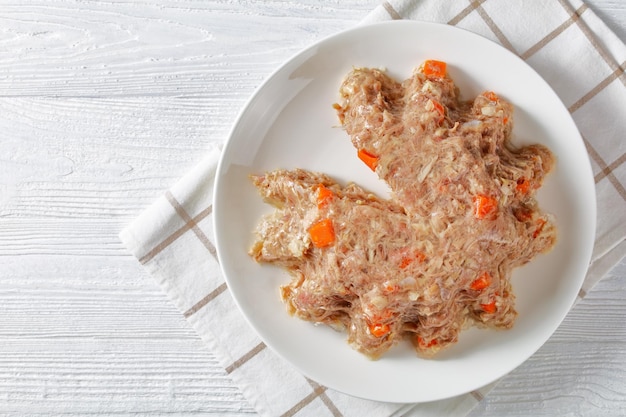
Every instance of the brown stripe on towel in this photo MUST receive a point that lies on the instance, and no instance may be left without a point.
(495, 29)
(465, 12)
(245, 358)
(206, 300)
(605, 168)
(606, 56)
(192, 223)
(477, 395)
(556, 32)
(392, 12)
(619, 72)
(300, 405)
(610, 168)
(318, 391)
(171, 238)
(325, 399)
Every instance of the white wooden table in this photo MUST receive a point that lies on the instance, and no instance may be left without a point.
(104, 105)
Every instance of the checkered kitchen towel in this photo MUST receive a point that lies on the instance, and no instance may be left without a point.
(562, 39)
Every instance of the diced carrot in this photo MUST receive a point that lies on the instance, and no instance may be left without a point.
(505, 120)
(409, 259)
(369, 159)
(379, 330)
(324, 195)
(484, 206)
(424, 344)
(540, 224)
(482, 282)
(489, 307)
(440, 110)
(434, 68)
(523, 185)
(406, 261)
(391, 287)
(490, 95)
(322, 233)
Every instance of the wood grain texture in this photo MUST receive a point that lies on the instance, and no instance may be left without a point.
(186, 48)
(103, 106)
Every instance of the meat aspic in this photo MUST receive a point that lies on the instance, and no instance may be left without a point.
(436, 257)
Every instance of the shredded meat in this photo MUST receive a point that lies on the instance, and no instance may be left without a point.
(438, 256)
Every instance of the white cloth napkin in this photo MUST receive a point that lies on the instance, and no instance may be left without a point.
(562, 39)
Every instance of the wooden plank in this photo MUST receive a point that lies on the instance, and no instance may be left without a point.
(114, 377)
(101, 158)
(97, 49)
(88, 335)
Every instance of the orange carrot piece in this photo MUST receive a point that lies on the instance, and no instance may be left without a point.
(484, 206)
(434, 68)
(322, 233)
(489, 307)
(523, 185)
(424, 344)
(324, 195)
(369, 159)
(482, 282)
(439, 108)
(408, 260)
(391, 288)
(379, 330)
(490, 95)
(540, 224)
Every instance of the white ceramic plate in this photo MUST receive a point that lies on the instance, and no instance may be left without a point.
(289, 122)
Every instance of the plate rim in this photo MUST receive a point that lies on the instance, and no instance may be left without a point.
(260, 89)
